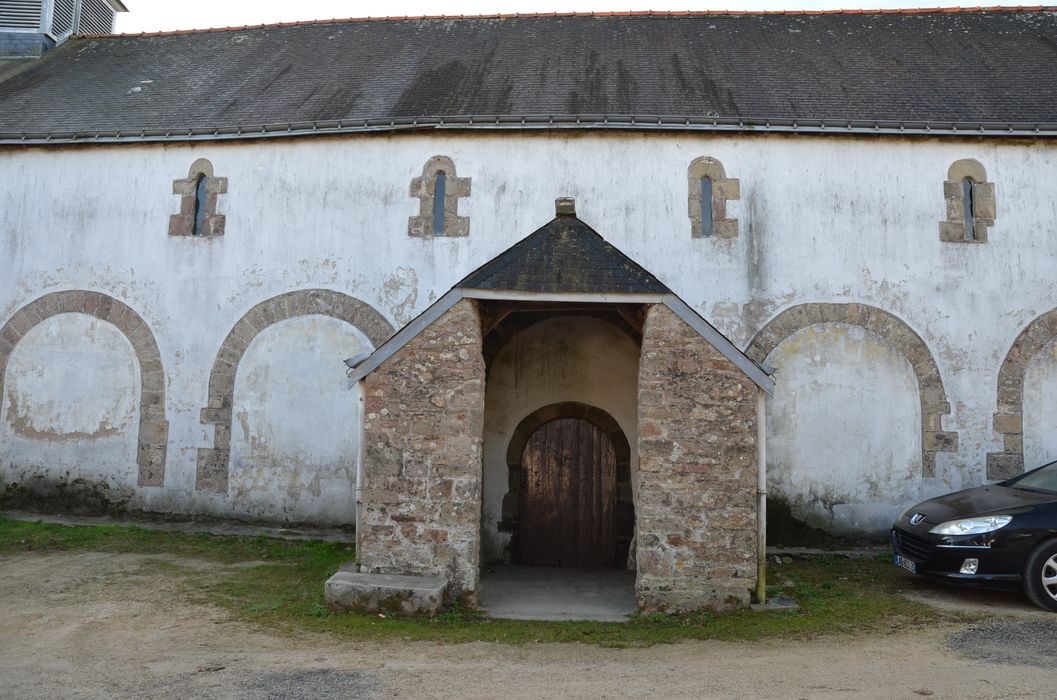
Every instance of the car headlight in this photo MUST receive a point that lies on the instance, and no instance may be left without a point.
(972, 526)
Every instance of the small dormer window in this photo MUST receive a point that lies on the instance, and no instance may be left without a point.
(438, 202)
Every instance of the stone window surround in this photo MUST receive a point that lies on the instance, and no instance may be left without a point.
(423, 189)
(153, 435)
(933, 397)
(183, 224)
(723, 189)
(214, 462)
(532, 422)
(1009, 416)
(952, 230)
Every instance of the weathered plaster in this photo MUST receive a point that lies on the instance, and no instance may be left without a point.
(1010, 418)
(812, 230)
(153, 431)
(214, 463)
(1040, 409)
(295, 439)
(933, 397)
(840, 391)
(70, 407)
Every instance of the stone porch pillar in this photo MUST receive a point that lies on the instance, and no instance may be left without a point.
(423, 423)
(696, 506)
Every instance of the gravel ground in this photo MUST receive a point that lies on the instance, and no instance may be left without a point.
(1024, 642)
(104, 626)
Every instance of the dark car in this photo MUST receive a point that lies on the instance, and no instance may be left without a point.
(1000, 535)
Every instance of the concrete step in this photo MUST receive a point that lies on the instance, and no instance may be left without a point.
(362, 592)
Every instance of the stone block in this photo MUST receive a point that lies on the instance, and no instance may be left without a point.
(365, 592)
(1004, 466)
(1008, 423)
(940, 441)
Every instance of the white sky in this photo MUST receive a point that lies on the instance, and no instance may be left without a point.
(162, 15)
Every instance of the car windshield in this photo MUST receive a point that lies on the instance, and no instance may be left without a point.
(1042, 479)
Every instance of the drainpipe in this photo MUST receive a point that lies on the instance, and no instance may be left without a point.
(761, 497)
(359, 472)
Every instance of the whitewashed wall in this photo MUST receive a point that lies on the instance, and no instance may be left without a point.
(844, 428)
(70, 410)
(823, 219)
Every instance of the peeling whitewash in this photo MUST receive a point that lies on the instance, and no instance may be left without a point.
(1040, 408)
(822, 219)
(843, 428)
(293, 455)
(70, 405)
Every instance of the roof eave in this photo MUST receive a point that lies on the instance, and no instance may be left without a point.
(854, 127)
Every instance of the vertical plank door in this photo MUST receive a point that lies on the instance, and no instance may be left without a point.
(568, 496)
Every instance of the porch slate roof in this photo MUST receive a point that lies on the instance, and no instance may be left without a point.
(565, 255)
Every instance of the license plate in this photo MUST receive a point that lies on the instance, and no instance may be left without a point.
(905, 563)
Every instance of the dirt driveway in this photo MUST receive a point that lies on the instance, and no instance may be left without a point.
(115, 625)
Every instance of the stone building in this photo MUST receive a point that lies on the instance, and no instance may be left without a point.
(848, 213)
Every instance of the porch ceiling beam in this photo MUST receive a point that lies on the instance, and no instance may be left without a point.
(602, 298)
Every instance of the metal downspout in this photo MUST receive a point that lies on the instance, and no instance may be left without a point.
(359, 474)
(761, 497)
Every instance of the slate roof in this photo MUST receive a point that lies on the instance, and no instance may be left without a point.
(904, 70)
(565, 255)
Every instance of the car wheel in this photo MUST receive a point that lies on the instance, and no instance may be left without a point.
(1040, 576)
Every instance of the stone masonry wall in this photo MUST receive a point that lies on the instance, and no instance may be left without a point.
(696, 507)
(423, 421)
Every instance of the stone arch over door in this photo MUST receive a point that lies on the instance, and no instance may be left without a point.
(213, 462)
(621, 447)
(933, 396)
(153, 436)
(1009, 414)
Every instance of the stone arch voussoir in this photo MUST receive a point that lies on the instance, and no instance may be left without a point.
(933, 396)
(1009, 413)
(153, 436)
(213, 462)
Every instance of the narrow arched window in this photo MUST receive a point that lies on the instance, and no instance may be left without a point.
(969, 209)
(970, 203)
(710, 191)
(200, 207)
(439, 185)
(707, 225)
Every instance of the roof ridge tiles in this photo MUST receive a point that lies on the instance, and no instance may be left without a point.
(624, 13)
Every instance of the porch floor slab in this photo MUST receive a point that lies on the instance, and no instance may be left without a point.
(555, 594)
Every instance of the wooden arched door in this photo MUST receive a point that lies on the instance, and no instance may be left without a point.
(568, 496)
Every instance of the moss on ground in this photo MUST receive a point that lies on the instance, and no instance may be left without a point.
(281, 586)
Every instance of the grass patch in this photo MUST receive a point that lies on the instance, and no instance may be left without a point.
(285, 592)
